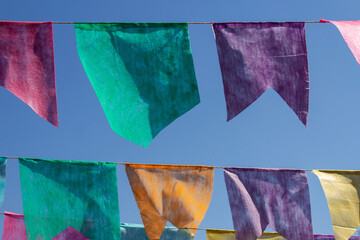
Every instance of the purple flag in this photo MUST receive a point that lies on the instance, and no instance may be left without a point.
(276, 198)
(256, 56)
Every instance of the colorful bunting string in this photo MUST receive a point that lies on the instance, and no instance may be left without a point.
(290, 201)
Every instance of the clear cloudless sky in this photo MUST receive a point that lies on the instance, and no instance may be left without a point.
(267, 134)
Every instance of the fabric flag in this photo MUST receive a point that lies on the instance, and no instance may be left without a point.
(137, 232)
(14, 227)
(214, 234)
(256, 56)
(178, 194)
(269, 197)
(27, 66)
(142, 73)
(350, 30)
(342, 193)
(331, 237)
(2, 178)
(60, 197)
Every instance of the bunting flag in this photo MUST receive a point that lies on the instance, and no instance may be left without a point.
(269, 197)
(142, 73)
(2, 178)
(137, 232)
(62, 198)
(214, 234)
(14, 227)
(342, 193)
(27, 66)
(256, 56)
(178, 194)
(350, 30)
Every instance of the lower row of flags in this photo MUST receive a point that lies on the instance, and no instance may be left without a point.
(143, 73)
(77, 197)
(14, 229)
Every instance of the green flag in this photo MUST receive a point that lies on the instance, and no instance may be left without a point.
(142, 73)
(67, 196)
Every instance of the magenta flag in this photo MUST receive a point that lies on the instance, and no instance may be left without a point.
(27, 66)
(350, 30)
(14, 227)
(276, 198)
(256, 56)
(70, 233)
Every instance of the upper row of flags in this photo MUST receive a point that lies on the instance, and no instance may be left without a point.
(69, 198)
(143, 73)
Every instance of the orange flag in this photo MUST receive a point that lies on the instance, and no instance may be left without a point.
(178, 194)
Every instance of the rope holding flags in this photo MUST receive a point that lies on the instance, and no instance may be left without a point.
(143, 73)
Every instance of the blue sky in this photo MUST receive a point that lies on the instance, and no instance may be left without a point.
(267, 134)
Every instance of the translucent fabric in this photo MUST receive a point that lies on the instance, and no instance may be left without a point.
(178, 194)
(257, 56)
(342, 193)
(275, 198)
(214, 234)
(142, 73)
(27, 66)
(137, 232)
(350, 30)
(2, 179)
(62, 196)
(14, 227)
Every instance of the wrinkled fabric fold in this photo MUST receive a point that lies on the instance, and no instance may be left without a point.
(14, 227)
(256, 56)
(350, 30)
(342, 189)
(275, 198)
(137, 232)
(3, 162)
(178, 194)
(142, 73)
(62, 196)
(27, 65)
(214, 234)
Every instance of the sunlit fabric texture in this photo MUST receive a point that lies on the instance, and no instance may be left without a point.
(178, 194)
(275, 198)
(214, 234)
(137, 232)
(256, 56)
(27, 66)
(350, 30)
(342, 193)
(61, 194)
(70, 234)
(142, 73)
(14, 227)
(2, 179)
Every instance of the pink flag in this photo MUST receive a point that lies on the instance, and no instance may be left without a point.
(70, 234)
(350, 30)
(27, 66)
(14, 227)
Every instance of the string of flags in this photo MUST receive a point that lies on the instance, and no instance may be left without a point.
(143, 73)
(78, 198)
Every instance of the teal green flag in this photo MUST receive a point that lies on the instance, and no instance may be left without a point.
(137, 232)
(3, 161)
(62, 197)
(142, 73)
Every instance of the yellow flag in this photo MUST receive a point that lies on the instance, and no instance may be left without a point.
(342, 193)
(178, 194)
(213, 234)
